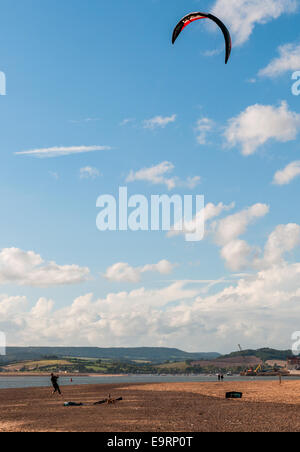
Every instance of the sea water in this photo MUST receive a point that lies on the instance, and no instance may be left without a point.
(7, 382)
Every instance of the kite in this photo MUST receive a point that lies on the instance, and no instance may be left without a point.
(192, 17)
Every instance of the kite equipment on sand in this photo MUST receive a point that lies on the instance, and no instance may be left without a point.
(109, 401)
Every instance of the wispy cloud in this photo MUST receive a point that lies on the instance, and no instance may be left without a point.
(85, 120)
(251, 80)
(233, 226)
(57, 151)
(127, 121)
(159, 122)
(123, 272)
(210, 211)
(288, 174)
(89, 173)
(212, 53)
(54, 175)
(155, 175)
(158, 175)
(203, 127)
(288, 60)
(192, 182)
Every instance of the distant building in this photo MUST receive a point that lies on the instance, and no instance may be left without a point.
(293, 363)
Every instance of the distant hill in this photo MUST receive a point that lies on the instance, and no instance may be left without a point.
(265, 354)
(247, 359)
(230, 362)
(152, 354)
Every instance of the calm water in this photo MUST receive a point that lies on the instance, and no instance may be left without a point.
(34, 382)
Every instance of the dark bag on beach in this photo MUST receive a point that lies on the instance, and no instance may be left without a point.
(234, 395)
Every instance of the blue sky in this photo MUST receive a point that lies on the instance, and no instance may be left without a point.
(91, 74)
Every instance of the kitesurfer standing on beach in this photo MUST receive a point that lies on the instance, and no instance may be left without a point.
(54, 381)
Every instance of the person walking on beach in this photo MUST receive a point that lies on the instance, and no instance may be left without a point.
(54, 381)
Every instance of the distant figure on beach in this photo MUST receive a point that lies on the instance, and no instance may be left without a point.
(222, 377)
(219, 377)
(54, 381)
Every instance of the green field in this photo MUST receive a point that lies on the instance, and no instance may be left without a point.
(37, 365)
(180, 366)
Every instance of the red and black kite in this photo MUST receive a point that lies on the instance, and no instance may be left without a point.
(192, 17)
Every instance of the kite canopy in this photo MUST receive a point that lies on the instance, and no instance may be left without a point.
(192, 17)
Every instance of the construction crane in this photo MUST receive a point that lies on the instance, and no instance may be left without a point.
(244, 358)
(258, 368)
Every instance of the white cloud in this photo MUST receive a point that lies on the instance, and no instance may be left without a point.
(154, 175)
(226, 232)
(163, 267)
(117, 319)
(284, 239)
(210, 211)
(159, 122)
(43, 308)
(62, 151)
(157, 175)
(241, 16)
(203, 127)
(236, 254)
(289, 173)
(233, 226)
(123, 272)
(288, 60)
(26, 268)
(239, 255)
(89, 173)
(258, 310)
(260, 123)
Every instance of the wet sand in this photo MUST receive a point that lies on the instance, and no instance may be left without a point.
(174, 407)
